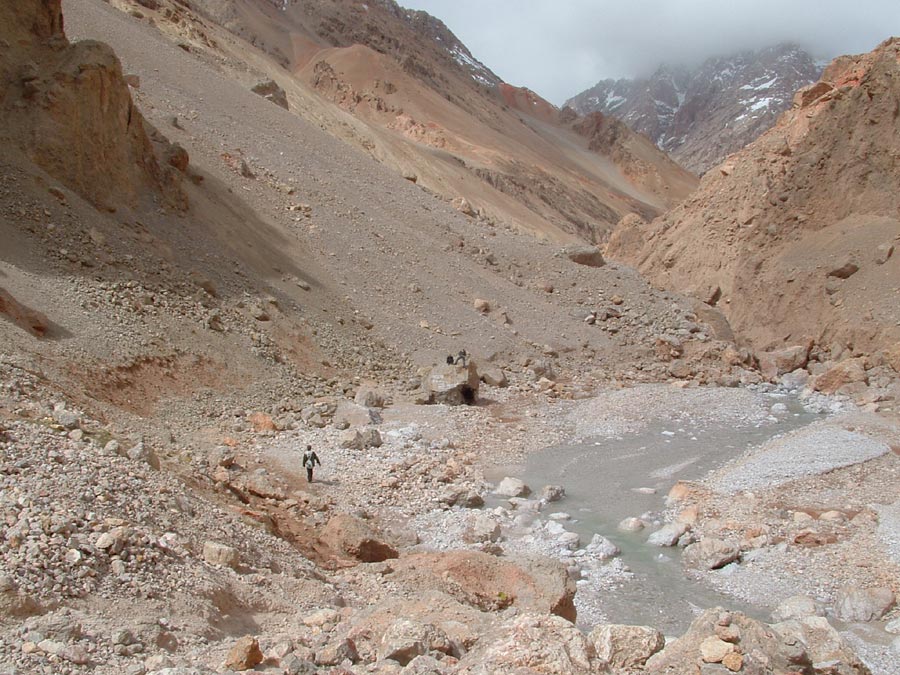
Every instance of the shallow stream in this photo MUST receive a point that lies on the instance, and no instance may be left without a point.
(609, 479)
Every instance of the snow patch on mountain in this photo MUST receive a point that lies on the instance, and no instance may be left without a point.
(703, 115)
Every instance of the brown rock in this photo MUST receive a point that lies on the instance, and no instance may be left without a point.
(270, 91)
(710, 554)
(489, 583)
(844, 373)
(261, 422)
(335, 653)
(245, 654)
(25, 318)
(107, 156)
(681, 491)
(355, 538)
(220, 554)
(729, 633)
(733, 661)
(626, 647)
(532, 644)
(589, 256)
(858, 604)
(699, 645)
(776, 363)
(493, 376)
(452, 385)
(714, 650)
(812, 93)
(814, 539)
(845, 271)
(370, 397)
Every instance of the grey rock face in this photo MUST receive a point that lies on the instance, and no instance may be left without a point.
(701, 116)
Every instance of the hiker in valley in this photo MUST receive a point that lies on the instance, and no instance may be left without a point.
(310, 459)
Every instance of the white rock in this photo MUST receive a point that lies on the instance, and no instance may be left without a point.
(512, 487)
(858, 604)
(570, 540)
(632, 525)
(602, 548)
(668, 535)
(796, 607)
(559, 516)
(220, 554)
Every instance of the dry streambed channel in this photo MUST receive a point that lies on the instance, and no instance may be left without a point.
(633, 445)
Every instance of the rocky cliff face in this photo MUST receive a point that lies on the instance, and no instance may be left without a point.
(67, 106)
(794, 236)
(700, 116)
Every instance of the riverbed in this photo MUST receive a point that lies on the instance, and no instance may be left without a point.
(627, 472)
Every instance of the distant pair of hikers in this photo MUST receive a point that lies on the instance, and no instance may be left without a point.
(460, 359)
(310, 459)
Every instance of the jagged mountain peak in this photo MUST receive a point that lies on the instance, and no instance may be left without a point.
(702, 114)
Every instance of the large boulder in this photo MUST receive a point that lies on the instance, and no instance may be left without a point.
(245, 654)
(439, 622)
(759, 649)
(370, 397)
(355, 439)
(530, 644)
(626, 647)
(862, 604)
(602, 548)
(481, 528)
(531, 584)
(13, 602)
(777, 363)
(24, 317)
(271, 91)
(352, 414)
(584, 255)
(406, 639)
(827, 650)
(797, 607)
(710, 554)
(494, 376)
(844, 373)
(452, 385)
(668, 535)
(353, 537)
(220, 554)
(512, 487)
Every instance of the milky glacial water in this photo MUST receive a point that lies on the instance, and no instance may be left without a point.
(609, 479)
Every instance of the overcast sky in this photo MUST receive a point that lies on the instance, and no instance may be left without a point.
(558, 48)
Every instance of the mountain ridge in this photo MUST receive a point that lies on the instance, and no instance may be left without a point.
(701, 115)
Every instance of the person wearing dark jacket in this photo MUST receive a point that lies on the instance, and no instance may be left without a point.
(310, 459)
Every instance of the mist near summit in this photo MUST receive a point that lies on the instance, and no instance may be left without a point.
(561, 48)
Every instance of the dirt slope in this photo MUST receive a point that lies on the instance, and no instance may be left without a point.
(400, 86)
(793, 237)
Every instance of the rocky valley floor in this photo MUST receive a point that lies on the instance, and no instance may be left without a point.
(165, 359)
